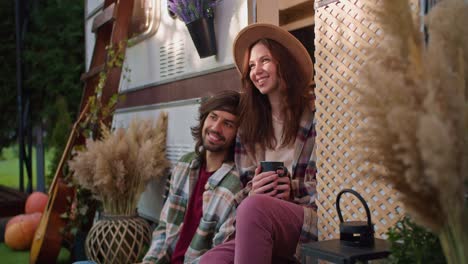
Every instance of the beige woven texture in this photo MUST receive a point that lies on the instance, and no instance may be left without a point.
(118, 240)
(341, 34)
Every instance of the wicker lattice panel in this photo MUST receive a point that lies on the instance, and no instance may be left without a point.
(341, 34)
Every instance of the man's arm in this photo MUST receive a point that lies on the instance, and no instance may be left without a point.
(227, 228)
(174, 208)
(158, 249)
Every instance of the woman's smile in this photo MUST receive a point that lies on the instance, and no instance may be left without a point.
(263, 70)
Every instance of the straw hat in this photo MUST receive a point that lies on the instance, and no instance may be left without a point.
(252, 33)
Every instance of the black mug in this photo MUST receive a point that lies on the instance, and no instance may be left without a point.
(273, 166)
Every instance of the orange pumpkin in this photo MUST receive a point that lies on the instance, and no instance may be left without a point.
(35, 218)
(36, 202)
(15, 219)
(20, 230)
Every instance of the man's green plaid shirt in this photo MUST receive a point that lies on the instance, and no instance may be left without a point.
(219, 209)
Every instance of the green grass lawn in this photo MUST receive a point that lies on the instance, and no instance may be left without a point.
(9, 167)
(9, 256)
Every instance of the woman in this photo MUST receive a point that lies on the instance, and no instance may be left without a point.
(277, 125)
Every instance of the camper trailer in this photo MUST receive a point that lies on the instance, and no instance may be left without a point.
(166, 73)
(163, 71)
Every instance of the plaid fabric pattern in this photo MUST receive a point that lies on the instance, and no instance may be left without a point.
(218, 211)
(303, 181)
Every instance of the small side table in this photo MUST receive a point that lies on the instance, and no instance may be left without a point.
(334, 251)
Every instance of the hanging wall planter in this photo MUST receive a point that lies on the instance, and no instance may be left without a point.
(198, 16)
(203, 36)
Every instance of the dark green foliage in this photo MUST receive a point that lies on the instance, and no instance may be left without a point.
(413, 244)
(54, 61)
(8, 113)
(59, 136)
(54, 55)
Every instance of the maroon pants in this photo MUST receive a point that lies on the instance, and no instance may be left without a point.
(267, 231)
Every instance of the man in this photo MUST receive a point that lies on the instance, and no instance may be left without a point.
(199, 211)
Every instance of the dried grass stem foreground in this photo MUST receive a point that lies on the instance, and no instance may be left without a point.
(414, 101)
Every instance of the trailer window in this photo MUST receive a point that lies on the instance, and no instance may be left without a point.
(145, 20)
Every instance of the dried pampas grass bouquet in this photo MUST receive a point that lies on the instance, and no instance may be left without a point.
(414, 100)
(117, 167)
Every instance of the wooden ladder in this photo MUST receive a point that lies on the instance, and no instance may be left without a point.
(111, 28)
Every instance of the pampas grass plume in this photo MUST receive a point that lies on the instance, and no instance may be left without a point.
(414, 100)
(117, 168)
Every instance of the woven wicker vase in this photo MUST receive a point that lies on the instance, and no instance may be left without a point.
(118, 239)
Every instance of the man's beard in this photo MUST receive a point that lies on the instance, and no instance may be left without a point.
(214, 148)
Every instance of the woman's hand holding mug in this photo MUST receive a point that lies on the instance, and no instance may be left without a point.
(264, 182)
(270, 180)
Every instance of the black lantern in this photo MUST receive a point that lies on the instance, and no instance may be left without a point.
(356, 243)
(355, 233)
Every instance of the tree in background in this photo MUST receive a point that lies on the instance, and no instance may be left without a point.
(53, 62)
(59, 136)
(8, 113)
(54, 56)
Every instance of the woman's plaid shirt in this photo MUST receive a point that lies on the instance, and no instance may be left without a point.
(218, 210)
(303, 181)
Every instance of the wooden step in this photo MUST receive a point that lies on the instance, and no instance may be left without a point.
(108, 15)
(92, 72)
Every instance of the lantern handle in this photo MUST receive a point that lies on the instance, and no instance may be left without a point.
(369, 222)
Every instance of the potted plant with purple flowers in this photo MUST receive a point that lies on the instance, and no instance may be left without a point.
(198, 16)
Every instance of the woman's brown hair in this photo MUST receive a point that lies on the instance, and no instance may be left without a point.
(255, 110)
